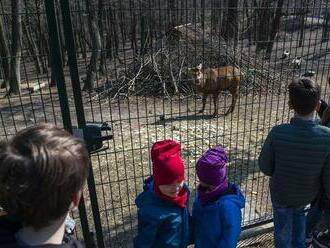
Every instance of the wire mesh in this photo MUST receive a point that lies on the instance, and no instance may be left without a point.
(135, 56)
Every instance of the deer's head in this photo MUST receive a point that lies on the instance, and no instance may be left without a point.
(197, 73)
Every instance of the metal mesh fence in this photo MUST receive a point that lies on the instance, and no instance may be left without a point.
(134, 59)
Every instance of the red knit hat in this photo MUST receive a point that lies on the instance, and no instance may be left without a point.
(167, 165)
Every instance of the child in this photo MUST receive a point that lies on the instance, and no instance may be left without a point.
(217, 208)
(42, 172)
(163, 217)
(320, 207)
(295, 155)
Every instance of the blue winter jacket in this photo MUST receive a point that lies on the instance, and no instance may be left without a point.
(217, 224)
(160, 223)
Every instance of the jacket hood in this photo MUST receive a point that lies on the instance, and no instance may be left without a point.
(237, 197)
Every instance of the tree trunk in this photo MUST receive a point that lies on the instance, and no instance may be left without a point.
(255, 22)
(133, 27)
(61, 35)
(203, 14)
(224, 17)
(122, 24)
(42, 41)
(4, 54)
(302, 22)
(80, 34)
(264, 17)
(325, 29)
(32, 47)
(182, 11)
(82, 42)
(249, 29)
(15, 77)
(101, 29)
(96, 47)
(231, 25)
(216, 15)
(275, 27)
(144, 36)
(172, 14)
(112, 35)
(46, 52)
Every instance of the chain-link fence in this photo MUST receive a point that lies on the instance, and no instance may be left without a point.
(132, 59)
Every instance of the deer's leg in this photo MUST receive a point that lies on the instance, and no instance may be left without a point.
(204, 103)
(234, 96)
(215, 103)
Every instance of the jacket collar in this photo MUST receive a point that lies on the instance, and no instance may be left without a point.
(303, 123)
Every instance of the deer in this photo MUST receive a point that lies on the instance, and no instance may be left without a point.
(214, 80)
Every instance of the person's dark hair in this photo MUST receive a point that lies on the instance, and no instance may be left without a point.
(41, 169)
(304, 95)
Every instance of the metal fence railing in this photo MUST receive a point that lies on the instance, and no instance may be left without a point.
(131, 58)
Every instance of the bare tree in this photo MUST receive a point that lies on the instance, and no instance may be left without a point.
(32, 47)
(275, 27)
(248, 21)
(254, 22)
(96, 46)
(172, 12)
(230, 26)
(41, 35)
(326, 27)
(303, 13)
(216, 15)
(112, 39)
(264, 16)
(15, 77)
(61, 35)
(4, 54)
(143, 32)
(102, 33)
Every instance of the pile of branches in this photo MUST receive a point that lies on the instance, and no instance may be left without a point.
(164, 69)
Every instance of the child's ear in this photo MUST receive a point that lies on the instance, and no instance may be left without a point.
(76, 199)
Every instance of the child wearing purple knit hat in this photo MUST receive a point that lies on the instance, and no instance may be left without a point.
(217, 207)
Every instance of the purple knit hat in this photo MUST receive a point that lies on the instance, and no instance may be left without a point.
(211, 167)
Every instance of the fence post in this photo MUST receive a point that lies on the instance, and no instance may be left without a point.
(57, 68)
(75, 81)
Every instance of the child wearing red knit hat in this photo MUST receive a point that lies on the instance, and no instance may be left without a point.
(163, 216)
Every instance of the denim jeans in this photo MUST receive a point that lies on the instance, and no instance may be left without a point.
(313, 218)
(289, 226)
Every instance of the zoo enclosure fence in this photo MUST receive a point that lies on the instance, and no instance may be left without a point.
(132, 59)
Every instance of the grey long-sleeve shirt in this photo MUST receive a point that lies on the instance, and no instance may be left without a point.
(297, 158)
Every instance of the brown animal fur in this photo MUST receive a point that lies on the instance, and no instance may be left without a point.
(213, 81)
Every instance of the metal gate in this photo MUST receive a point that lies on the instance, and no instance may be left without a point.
(132, 59)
